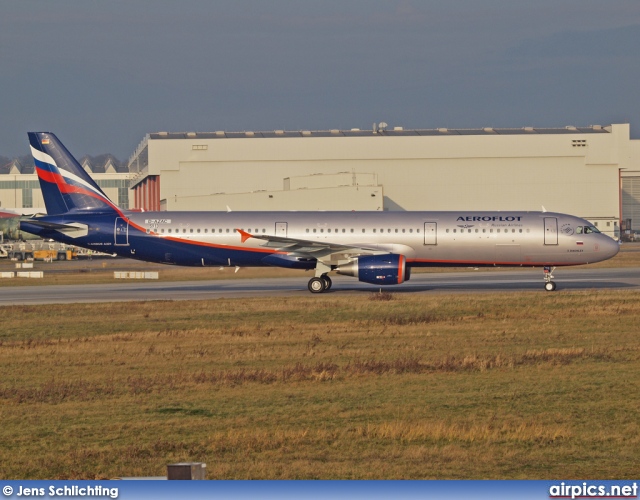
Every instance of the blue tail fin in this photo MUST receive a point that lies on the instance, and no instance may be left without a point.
(66, 187)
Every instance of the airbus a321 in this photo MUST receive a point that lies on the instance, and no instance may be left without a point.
(379, 248)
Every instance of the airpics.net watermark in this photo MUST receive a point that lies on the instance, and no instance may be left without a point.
(586, 490)
(61, 491)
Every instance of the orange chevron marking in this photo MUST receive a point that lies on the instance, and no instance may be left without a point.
(244, 236)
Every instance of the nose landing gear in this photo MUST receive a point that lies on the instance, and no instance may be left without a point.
(549, 285)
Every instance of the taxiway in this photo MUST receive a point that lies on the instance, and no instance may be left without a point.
(462, 282)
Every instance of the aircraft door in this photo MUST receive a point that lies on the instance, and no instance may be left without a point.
(550, 231)
(281, 229)
(430, 233)
(121, 231)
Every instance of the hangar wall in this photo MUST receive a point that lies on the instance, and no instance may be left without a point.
(21, 192)
(568, 170)
(630, 192)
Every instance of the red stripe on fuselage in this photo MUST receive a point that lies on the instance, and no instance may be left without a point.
(224, 247)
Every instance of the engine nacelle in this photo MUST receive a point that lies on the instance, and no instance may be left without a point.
(388, 269)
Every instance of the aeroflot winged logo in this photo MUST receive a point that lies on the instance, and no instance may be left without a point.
(489, 218)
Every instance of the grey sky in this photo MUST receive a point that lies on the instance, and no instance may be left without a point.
(101, 74)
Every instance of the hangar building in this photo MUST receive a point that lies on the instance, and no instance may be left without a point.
(572, 170)
(20, 188)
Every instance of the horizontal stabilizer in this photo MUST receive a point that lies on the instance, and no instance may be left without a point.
(34, 226)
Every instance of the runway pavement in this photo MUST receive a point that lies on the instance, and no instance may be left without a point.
(464, 282)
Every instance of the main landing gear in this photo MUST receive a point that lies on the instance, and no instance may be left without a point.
(549, 285)
(319, 284)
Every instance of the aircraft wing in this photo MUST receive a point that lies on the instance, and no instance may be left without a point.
(323, 251)
(5, 213)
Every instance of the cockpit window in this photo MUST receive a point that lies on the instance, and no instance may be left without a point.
(587, 230)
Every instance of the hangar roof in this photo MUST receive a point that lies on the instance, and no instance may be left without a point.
(396, 131)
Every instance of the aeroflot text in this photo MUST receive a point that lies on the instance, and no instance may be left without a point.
(69, 491)
(489, 218)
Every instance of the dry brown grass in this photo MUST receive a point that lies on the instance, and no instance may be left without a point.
(531, 385)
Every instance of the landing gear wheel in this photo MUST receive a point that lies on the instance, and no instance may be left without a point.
(327, 282)
(549, 285)
(316, 285)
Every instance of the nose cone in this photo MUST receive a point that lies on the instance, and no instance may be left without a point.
(608, 247)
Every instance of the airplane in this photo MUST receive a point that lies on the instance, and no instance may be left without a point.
(379, 248)
(10, 226)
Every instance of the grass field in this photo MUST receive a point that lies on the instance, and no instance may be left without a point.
(528, 385)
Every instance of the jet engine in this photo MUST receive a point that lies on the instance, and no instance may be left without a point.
(388, 269)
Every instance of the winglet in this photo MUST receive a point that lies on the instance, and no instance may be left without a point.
(244, 236)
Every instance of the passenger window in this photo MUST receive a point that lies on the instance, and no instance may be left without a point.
(447, 230)
(169, 230)
(374, 230)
